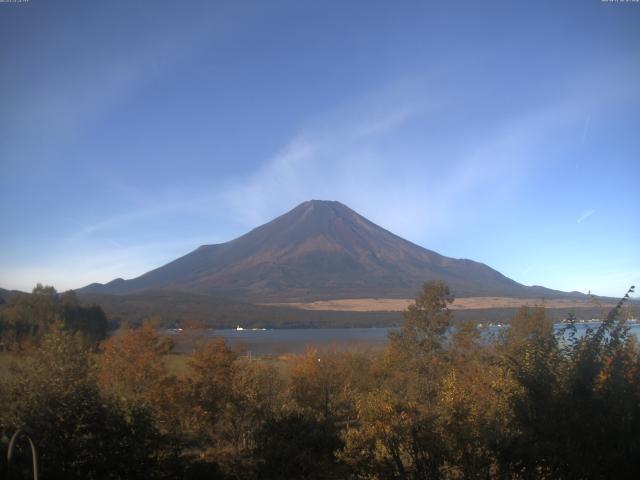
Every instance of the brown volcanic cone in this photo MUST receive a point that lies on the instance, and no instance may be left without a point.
(320, 250)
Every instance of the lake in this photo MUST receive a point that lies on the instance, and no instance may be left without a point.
(297, 340)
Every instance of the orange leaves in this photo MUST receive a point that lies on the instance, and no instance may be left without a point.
(324, 384)
(131, 365)
(213, 362)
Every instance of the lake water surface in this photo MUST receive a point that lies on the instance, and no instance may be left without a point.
(298, 340)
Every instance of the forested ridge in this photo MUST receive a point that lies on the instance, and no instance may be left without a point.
(529, 404)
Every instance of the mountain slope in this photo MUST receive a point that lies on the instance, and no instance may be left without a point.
(7, 296)
(319, 250)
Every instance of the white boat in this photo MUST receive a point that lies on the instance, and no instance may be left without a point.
(239, 328)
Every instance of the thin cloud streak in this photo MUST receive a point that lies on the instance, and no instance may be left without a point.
(346, 162)
(586, 214)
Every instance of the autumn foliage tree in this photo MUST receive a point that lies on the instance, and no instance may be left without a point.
(131, 372)
(54, 396)
(27, 318)
(576, 405)
(132, 366)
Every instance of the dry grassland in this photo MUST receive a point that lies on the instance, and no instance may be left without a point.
(467, 303)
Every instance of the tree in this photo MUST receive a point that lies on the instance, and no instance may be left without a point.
(415, 361)
(398, 433)
(227, 402)
(79, 434)
(574, 403)
(27, 318)
(208, 390)
(319, 385)
(91, 321)
(426, 320)
(255, 397)
(131, 366)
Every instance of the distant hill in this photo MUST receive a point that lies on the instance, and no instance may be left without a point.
(7, 295)
(183, 309)
(320, 250)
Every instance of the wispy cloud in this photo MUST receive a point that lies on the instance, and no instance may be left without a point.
(586, 214)
(418, 191)
(533, 265)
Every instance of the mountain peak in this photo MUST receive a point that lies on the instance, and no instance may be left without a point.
(319, 250)
(320, 203)
(319, 206)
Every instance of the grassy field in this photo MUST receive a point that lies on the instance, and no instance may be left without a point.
(466, 303)
(176, 363)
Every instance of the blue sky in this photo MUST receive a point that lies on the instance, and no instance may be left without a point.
(132, 132)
